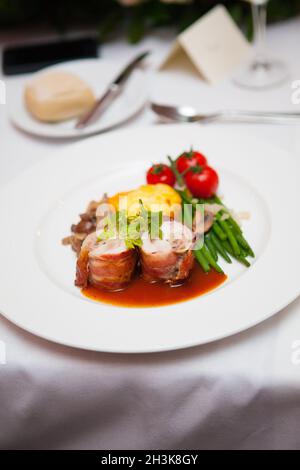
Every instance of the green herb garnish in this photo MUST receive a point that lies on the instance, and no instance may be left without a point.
(130, 229)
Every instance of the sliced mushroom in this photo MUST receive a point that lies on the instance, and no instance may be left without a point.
(208, 221)
(84, 226)
(202, 224)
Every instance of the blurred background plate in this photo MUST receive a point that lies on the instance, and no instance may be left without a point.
(98, 74)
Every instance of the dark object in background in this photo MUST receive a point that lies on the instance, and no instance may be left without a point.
(110, 17)
(25, 59)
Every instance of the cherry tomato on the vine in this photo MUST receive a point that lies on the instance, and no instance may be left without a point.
(160, 173)
(189, 159)
(202, 182)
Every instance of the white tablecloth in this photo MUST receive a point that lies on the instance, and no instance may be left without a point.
(241, 392)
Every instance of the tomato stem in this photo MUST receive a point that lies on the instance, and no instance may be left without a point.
(178, 176)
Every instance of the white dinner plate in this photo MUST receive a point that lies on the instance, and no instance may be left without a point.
(98, 73)
(38, 207)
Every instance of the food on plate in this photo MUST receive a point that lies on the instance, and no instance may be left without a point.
(169, 258)
(223, 236)
(190, 170)
(57, 95)
(108, 264)
(197, 184)
(202, 181)
(160, 173)
(152, 236)
(190, 159)
(86, 225)
(160, 197)
(142, 293)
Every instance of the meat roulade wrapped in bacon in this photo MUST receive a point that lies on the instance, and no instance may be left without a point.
(169, 259)
(107, 264)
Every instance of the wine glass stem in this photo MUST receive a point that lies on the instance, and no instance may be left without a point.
(259, 13)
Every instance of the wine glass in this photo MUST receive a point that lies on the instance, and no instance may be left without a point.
(262, 72)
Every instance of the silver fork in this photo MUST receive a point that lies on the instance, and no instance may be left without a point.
(189, 114)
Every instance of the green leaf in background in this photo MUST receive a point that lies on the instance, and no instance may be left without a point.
(109, 16)
(136, 28)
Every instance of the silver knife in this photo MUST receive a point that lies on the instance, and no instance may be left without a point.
(110, 94)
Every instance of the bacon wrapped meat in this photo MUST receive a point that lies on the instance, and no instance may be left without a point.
(169, 259)
(107, 264)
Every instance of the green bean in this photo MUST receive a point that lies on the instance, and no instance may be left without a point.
(244, 252)
(211, 247)
(202, 260)
(224, 238)
(226, 245)
(231, 237)
(243, 261)
(218, 231)
(207, 254)
(230, 219)
(243, 242)
(238, 233)
(235, 226)
(239, 236)
(239, 258)
(218, 246)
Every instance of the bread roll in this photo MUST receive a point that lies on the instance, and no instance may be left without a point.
(57, 96)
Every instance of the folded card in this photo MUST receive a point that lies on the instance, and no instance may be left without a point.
(214, 45)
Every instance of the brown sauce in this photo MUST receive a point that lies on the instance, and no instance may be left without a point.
(141, 293)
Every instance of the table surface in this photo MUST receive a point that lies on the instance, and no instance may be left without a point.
(242, 392)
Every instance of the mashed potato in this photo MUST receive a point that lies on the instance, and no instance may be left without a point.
(155, 197)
